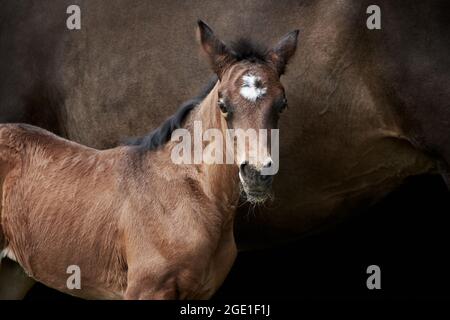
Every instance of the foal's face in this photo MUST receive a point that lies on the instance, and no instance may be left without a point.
(250, 100)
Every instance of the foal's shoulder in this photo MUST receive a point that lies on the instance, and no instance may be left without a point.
(20, 135)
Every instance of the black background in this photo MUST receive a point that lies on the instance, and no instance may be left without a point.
(406, 234)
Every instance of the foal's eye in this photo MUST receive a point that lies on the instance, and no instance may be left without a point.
(283, 105)
(222, 105)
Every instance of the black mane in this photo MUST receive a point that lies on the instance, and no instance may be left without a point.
(161, 135)
(243, 49)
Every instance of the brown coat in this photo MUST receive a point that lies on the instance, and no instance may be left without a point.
(137, 226)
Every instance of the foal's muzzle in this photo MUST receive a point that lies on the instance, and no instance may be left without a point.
(257, 186)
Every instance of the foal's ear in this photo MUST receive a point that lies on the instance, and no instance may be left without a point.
(219, 55)
(283, 51)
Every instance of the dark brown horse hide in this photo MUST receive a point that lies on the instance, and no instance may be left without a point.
(367, 108)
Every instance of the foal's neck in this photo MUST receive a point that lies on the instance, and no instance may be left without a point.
(220, 181)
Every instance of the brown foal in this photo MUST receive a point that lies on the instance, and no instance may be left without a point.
(138, 225)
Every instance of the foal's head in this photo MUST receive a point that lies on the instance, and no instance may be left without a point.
(250, 96)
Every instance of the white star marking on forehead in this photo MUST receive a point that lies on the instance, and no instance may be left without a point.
(252, 87)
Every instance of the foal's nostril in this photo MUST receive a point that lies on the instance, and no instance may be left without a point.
(243, 165)
(268, 164)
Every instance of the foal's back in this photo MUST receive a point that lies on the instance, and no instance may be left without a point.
(61, 207)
